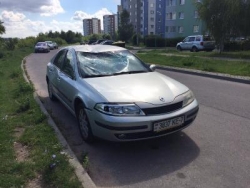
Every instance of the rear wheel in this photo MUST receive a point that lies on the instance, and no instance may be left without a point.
(50, 92)
(83, 123)
(194, 49)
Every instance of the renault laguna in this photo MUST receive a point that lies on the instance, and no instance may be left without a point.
(117, 97)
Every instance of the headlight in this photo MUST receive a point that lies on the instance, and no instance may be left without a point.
(188, 98)
(119, 109)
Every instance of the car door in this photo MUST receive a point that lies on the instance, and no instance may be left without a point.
(67, 79)
(184, 44)
(190, 43)
(54, 70)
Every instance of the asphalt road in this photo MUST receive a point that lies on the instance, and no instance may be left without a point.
(214, 152)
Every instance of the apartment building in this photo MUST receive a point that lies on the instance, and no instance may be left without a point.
(91, 26)
(165, 18)
(110, 24)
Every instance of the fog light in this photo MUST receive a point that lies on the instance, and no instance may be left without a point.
(121, 136)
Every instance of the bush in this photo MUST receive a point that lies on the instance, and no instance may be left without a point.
(9, 44)
(237, 46)
(156, 41)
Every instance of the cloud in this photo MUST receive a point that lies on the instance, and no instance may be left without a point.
(18, 25)
(44, 7)
(12, 17)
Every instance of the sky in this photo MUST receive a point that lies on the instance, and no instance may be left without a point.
(24, 18)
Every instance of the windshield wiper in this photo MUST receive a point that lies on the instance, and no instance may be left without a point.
(129, 72)
(97, 75)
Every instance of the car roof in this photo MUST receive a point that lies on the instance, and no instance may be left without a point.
(95, 48)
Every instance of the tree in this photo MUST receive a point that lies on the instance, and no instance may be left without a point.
(223, 18)
(2, 28)
(125, 29)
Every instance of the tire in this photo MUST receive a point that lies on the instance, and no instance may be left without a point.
(50, 92)
(194, 49)
(83, 124)
(179, 48)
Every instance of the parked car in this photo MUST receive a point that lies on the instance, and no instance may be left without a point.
(196, 43)
(50, 44)
(107, 42)
(41, 47)
(55, 45)
(99, 41)
(91, 41)
(117, 97)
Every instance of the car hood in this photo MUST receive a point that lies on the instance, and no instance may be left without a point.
(151, 87)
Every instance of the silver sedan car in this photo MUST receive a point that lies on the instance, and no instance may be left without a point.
(117, 97)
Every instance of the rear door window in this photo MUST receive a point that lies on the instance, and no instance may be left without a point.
(58, 60)
(191, 39)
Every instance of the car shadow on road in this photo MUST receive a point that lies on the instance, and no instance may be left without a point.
(119, 164)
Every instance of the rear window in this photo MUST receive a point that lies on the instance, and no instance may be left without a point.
(207, 38)
(40, 44)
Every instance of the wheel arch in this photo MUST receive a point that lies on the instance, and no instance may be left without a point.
(78, 101)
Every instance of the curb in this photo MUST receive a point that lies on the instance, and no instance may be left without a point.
(227, 77)
(80, 172)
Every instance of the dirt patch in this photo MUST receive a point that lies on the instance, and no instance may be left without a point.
(35, 183)
(22, 152)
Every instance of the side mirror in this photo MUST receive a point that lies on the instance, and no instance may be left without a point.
(152, 67)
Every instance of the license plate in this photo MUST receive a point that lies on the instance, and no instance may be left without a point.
(167, 124)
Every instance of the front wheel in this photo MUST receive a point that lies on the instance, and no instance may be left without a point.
(84, 125)
(179, 48)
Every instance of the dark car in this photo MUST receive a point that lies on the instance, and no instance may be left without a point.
(107, 42)
(99, 41)
(91, 41)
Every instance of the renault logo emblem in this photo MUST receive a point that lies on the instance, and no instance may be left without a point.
(162, 99)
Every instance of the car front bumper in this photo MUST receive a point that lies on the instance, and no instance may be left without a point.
(122, 129)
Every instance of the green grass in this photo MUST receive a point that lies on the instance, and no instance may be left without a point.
(198, 61)
(19, 110)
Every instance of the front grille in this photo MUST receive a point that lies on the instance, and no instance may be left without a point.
(162, 109)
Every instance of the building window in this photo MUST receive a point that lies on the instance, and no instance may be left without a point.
(170, 29)
(152, 5)
(196, 29)
(152, 12)
(180, 29)
(181, 15)
(152, 19)
(152, 26)
(167, 29)
(196, 14)
(170, 3)
(171, 16)
(182, 2)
